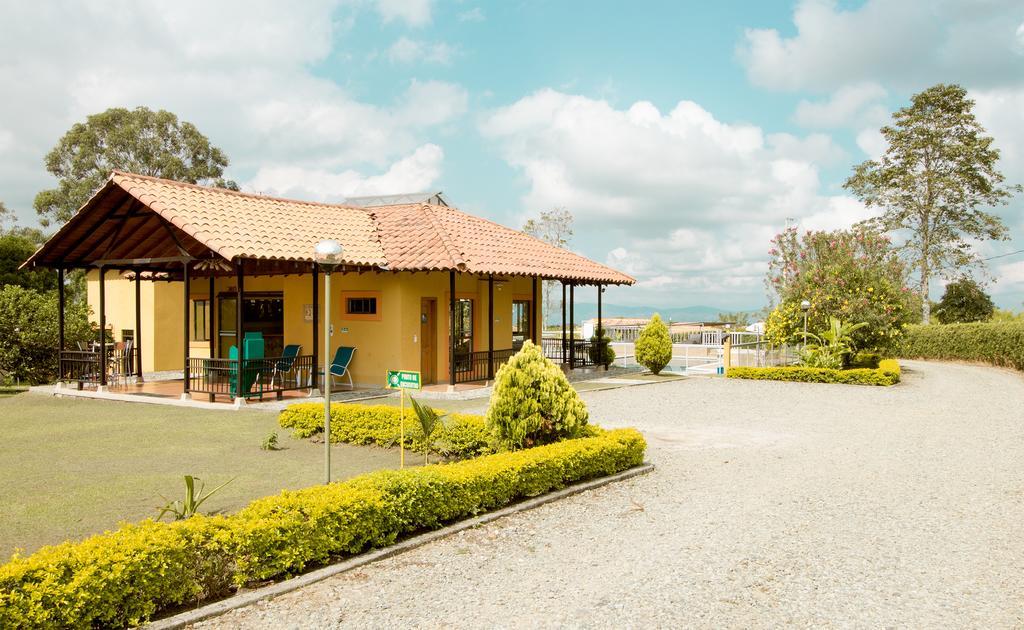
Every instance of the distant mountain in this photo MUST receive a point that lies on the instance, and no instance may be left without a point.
(676, 314)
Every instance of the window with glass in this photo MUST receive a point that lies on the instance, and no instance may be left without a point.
(361, 306)
(520, 323)
(200, 319)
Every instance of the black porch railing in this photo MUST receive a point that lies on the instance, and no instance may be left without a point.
(472, 366)
(256, 379)
(83, 366)
(577, 352)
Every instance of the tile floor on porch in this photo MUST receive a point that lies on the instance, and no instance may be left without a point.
(168, 390)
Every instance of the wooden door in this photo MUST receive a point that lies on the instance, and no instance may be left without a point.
(428, 340)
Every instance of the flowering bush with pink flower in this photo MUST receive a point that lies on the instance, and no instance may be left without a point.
(854, 275)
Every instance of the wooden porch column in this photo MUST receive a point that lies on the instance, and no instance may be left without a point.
(239, 292)
(138, 327)
(315, 382)
(60, 309)
(212, 333)
(490, 326)
(600, 331)
(534, 317)
(563, 322)
(572, 326)
(451, 329)
(186, 287)
(103, 329)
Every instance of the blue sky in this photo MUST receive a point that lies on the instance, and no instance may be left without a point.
(682, 135)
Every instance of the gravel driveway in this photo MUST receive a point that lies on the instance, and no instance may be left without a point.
(772, 504)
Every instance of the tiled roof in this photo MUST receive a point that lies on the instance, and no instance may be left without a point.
(236, 224)
(407, 237)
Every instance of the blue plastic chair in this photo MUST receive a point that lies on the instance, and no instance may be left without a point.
(339, 366)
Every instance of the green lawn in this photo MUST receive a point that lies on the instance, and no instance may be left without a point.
(74, 467)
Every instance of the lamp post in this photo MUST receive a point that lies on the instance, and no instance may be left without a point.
(805, 306)
(328, 256)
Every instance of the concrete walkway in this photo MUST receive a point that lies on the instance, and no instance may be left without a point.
(773, 504)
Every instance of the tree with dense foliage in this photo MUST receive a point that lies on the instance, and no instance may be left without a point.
(964, 301)
(533, 403)
(853, 275)
(653, 346)
(16, 245)
(29, 333)
(554, 227)
(935, 181)
(139, 141)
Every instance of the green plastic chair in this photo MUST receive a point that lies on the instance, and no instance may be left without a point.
(339, 366)
(286, 364)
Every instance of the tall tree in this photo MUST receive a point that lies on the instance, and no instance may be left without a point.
(936, 180)
(965, 301)
(553, 227)
(5, 215)
(139, 141)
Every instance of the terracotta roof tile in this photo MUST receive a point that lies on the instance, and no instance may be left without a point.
(408, 237)
(236, 224)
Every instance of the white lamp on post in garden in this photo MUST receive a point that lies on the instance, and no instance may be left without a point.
(327, 256)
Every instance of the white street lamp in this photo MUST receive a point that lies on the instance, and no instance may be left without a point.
(328, 256)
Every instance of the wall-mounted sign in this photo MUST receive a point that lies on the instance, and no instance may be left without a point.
(307, 312)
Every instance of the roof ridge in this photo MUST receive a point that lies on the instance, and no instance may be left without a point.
(446, 238)
(515, 231)
(238, 193)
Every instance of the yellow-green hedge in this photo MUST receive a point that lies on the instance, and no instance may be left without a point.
(462, 435)
(887, 373)
(124, 577)
(998, 343)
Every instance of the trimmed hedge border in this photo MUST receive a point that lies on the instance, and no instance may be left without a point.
(887, 373)
(125, 577)
(997, 343)
(461, 435)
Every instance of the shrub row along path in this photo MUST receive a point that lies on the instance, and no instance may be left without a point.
(772, 503)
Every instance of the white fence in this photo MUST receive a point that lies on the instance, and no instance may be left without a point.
(709, 358)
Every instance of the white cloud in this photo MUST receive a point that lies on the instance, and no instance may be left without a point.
(476, 14)
(849, 105)
(679, 199)
(406, 50)
(412, 12)
(890, 41)
(242, 74)
(872, 142)
(1011, 274)
(1001, 112)
(412, 173)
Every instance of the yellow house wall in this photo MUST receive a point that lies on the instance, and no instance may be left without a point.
(392, 342)
(120, 307)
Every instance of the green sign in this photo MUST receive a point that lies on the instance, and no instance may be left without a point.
(402, 379)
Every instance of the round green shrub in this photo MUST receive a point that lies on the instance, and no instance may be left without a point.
(595, 351)
(533, 403)
(654, 345)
